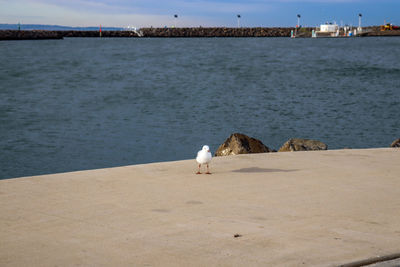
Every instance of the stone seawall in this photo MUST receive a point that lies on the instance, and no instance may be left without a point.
(216, 32)
(29, 35)
(149, 32)
(105, 34)
(43, 34)
(176, 32)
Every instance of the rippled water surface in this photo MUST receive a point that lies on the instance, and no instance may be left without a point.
(84, 103)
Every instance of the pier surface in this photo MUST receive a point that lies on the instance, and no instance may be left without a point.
(323, 208)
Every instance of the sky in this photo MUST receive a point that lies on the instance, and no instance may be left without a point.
(194, 13)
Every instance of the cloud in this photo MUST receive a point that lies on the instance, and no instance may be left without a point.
(140, 13)
(223, 7)
(85, 13)
(157, 13)
(153, 6)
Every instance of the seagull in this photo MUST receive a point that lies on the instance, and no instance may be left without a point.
(204, 157)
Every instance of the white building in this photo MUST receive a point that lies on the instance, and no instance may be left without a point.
(327, 30)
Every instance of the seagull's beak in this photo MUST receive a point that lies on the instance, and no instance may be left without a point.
(208, 150)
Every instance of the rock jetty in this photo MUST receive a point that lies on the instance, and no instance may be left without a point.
(148, 32)
(105, 34)
(216, 32)
(239, 143)
(42, 34)
(29, 35)
(177, 32)
(297, 144)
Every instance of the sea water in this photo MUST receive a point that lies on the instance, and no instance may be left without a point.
(85, 103)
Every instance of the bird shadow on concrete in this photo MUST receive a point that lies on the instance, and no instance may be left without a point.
(257, 169)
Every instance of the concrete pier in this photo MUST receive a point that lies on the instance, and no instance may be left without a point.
(323, 208)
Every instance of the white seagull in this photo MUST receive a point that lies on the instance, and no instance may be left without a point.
(204, 157)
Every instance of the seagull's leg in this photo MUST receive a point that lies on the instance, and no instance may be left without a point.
(208, 171)
(198, 172)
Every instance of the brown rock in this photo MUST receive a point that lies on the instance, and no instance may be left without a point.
(396, 143)
(297, 144)
(241, 144)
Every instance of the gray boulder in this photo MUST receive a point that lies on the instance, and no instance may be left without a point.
(241, 144)
(396, 143)
(297, 144)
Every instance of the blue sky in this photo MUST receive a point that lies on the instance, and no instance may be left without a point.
(145, 13)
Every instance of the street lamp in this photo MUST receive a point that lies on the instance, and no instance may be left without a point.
(298, 20)
(359, 22)
(176, 18)
(238, 18)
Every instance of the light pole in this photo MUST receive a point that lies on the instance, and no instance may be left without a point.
(298, 20)
(238, 19)
(176, 18)
(359, 22)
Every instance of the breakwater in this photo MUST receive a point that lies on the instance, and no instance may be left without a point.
(216, 32)
(148, 32)
(43, 34)
(106, 34)
(176, 33)
(250, 32)
(29, 35)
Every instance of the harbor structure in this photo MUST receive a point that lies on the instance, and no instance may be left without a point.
(359, 29)
(175, 20)
(326, 30)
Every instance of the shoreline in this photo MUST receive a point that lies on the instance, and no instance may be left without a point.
(312, 208)
(182, 160)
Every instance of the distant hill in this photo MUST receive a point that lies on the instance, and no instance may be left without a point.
(55, 27)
